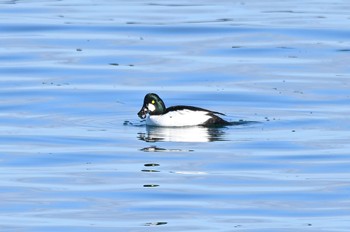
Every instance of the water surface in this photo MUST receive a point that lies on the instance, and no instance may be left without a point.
(74, 156)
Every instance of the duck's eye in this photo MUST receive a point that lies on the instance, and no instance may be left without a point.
(153, 101)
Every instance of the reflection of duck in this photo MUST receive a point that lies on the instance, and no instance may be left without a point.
(177, 116)
(182, 134)
(159, 149)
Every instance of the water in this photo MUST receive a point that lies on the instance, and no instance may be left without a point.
(74, 156)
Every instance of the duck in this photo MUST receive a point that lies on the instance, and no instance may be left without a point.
(157, 114)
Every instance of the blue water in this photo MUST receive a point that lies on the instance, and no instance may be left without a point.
(75, 157)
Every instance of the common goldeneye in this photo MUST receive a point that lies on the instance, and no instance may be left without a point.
(177, 116)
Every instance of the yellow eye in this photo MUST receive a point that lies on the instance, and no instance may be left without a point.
(153, 101)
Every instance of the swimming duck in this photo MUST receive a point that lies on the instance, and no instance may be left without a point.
(177, 116)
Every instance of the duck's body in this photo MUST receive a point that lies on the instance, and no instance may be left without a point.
(177, 116)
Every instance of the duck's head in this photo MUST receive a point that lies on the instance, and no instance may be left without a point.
(153, 105)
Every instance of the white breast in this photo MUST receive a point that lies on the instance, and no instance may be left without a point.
(178, 118)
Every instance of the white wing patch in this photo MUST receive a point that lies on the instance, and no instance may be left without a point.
(178, 118)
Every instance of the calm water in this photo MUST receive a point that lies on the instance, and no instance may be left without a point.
(75, 157)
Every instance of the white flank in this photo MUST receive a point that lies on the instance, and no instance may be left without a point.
(178, 118)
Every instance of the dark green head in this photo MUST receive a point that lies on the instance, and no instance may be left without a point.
(153, 105)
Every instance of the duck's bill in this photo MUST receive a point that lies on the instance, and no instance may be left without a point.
(143, 112)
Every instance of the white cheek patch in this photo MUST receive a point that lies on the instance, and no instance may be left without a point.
(151, 107)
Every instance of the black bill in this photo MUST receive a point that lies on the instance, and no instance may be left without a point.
(143, 112)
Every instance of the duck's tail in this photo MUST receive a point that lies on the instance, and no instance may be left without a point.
(219, 122)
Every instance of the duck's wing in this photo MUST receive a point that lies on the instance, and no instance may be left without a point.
(181, 107)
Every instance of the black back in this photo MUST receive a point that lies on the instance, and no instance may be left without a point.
(181, 107)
